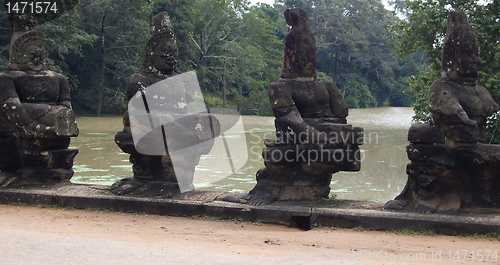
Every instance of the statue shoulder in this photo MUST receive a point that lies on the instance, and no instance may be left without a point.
(55, 74)
(280, 94)
(146, 81)
(4, 74)
(11, 74)
(135, 76)
(338, 106)
(480, 100)
(443, 102)
(137, 81)
(440, 88)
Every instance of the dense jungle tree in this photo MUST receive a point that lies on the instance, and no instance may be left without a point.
(352, 50)
(238, 52)
(235, 48)
(122, 28)
(5, 36)
(424, 30)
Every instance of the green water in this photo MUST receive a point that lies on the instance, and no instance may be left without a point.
(381, 178)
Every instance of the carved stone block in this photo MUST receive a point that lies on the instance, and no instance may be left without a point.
(424, 133)
(52, 159)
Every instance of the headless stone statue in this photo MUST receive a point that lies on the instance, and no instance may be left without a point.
(451, 167)
(36, 119)
(155, 174)
(313, 140)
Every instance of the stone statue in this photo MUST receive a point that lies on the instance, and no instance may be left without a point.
(451, 167)
(457, 98)
(155, 174)
(36, 118)
(313, 140)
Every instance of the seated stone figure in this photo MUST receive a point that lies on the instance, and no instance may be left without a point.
(313, 140)
(36, 119)
(457, 98)
(451, 167)
(297, 100)
(155, 174)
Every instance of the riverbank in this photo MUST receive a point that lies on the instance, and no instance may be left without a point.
(44, 235)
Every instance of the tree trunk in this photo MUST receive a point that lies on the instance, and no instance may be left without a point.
(101, 70)
(225, 83)
(334, 65)
(121, 98)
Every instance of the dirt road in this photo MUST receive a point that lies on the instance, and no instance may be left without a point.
(36, 235)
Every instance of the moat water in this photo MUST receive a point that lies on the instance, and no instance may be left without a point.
(382, 175)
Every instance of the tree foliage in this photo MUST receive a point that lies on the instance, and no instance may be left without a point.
(239, 52)
(236, 49)
(424, 30)
(352, 49)
(116, 49)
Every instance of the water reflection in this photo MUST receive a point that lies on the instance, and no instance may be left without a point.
(381, 178)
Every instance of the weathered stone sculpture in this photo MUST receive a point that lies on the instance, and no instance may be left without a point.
(155, 174)
(451, 167)
(36, 119)
(313, 140)
(299, 50)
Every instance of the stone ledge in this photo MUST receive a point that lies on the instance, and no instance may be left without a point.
(338, 213)
(386, 220)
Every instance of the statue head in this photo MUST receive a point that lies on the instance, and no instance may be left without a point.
(27, 47)
(299, 46)
(161, 49)
(461, 48)
(296, 17)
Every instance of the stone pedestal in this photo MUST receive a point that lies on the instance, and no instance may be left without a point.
(36, 160)
(449, 170)
(298, 171)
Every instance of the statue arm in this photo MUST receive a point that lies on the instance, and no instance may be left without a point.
(287, 114)
(338, 105)
(136, 82)
(290, 116)
(132, 89)
(64, 95)
(445, 107)
(14, 111)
